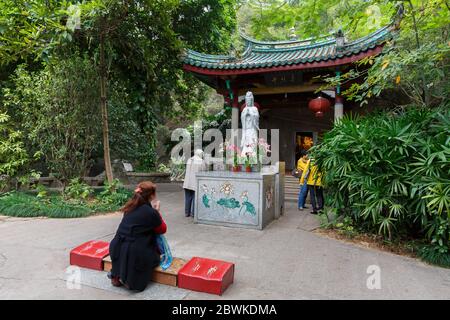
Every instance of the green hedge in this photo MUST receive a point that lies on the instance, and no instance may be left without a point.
(18, 204)
(390, 173)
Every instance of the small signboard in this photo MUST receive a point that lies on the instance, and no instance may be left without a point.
(283, 79)
(128, 167)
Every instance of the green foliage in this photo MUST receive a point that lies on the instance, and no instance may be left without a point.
(41, 191)
(29, 178)
(79, 200)
(273, 19)
(23, 205)
(32, 28)
(146, 86)
(114, 194)
(115, 200)
(112, 187)
(163, 168)
(57, 110)
(390, 173)
(343, 224)
(77, 190)
(416, 62)
(434, 255)
(13, 155)
(126, 135)
(143, 50)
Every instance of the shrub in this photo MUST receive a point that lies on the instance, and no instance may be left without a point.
(13, 155)
(24, 205)
(59, 114)
(390, 172)
(53, 205)
(78, 190)
(115, 195)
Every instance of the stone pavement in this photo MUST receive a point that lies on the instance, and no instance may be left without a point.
(284, 261)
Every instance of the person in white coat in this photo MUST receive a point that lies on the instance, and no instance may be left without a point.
(193, 165)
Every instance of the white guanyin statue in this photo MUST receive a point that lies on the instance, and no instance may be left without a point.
(250, 125)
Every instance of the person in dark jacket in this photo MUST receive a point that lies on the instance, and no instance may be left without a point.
(134, 251)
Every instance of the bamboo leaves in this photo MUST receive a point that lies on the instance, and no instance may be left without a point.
(391, 173)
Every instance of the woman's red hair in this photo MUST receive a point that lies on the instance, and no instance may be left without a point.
(141, 196)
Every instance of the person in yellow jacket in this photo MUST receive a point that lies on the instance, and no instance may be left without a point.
(303, 192)
(313, 178)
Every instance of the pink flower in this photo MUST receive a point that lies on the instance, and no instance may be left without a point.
(234, 148)
(263, 144)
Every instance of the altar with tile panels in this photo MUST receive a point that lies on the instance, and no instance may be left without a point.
(235, 199)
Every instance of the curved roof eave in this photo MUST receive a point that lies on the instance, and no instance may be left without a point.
(344, 60)
(259, 56)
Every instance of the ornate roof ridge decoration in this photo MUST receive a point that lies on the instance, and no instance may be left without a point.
(333, 49)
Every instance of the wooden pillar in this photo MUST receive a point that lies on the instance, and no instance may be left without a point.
(232, 92)
(338, 102)
(235, 111)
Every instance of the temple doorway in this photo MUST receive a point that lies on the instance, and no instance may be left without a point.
(303, 141)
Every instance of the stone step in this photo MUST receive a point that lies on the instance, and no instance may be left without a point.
(295, 199)
(168, 277)
(290, 199)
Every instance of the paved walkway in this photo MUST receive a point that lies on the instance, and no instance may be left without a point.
(285, 261)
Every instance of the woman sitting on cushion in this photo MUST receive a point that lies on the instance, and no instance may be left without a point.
(134, 249)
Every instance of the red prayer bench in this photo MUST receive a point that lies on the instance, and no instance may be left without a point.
(90, 254)
(198, 274)
(206, 275)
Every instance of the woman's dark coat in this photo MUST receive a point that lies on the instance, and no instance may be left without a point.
(134, 250)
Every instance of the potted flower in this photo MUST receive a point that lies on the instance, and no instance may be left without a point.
(262, 149)
(248, 166)
(236, 166)
(231, 147)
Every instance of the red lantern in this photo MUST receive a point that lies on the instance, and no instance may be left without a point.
(319, 105)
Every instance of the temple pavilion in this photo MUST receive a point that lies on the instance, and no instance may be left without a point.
(284, 77)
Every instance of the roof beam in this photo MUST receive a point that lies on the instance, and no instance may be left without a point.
(281, 90)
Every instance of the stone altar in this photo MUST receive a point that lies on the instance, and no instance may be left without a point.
(235, 199)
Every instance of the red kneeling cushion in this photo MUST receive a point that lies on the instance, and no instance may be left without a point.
(206, 275)
(90, 254)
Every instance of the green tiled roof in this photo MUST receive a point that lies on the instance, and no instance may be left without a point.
(263, 54)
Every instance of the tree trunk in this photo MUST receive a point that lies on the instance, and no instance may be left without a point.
(425, 96)
(104, 108)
